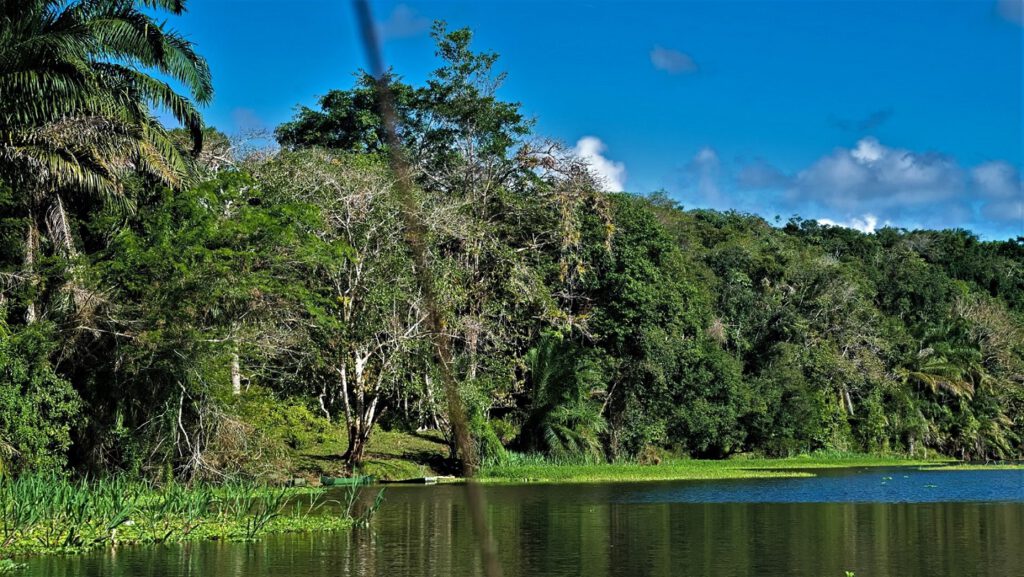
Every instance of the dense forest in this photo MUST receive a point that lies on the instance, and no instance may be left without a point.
(172, 299)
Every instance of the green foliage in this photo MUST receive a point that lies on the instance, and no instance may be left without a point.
(646, 314)
(349, 120)
(710, 404)
(37, 406)
(457, 106)
(286, 420)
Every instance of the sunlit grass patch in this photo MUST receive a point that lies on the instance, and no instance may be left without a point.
(534, 469)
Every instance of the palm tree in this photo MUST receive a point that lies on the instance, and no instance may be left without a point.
(946, 363)
(75, 104)
(937, 372)
(951, 366)
(565, 417)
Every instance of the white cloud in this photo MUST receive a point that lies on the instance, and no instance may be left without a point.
(884, 176)
(403, 22)
(997, 179)
(868, 151)
(611, 174)
(672, 61)
(868, 223)
(1005, 211)
(871, 183)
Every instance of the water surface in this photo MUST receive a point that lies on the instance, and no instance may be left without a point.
(898, 522)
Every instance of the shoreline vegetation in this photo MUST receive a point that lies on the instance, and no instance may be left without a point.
(194, 327)
(1015, 465)
(396, 456)
(49, 514)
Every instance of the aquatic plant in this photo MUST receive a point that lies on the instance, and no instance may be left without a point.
(361, 519)
(51, 513)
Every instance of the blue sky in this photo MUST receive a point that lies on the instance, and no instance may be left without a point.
(861, 113)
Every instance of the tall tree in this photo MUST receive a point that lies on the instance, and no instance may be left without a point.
(368, 315)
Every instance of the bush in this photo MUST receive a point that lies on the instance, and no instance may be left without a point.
(38, 406)
(258, 432)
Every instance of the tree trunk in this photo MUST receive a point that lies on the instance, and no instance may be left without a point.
(31, 255)
(236, 374)
(59, 228)
(472, 342)
(357, 438)
(323, 399)
(358, 416)
(430, 420)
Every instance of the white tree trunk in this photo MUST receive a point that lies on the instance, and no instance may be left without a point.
(236, 375)
(31, 254)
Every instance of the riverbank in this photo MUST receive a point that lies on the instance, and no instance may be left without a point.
(46, 515)
(390, 456)
(393, 455)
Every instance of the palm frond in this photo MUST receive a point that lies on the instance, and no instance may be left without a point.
(157, 93)
(130, 36)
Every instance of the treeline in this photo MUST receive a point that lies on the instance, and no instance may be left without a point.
(165, 329)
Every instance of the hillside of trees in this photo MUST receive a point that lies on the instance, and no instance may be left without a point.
(164, 295)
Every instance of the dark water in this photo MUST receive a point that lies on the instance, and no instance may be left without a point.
(896, 522)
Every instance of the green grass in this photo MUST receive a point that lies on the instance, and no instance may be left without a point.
(390, 455)
(313, 447)
(533, 470)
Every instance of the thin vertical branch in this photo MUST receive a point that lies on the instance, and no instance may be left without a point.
(415, 236)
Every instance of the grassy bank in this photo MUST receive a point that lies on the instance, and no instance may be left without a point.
(49, 514)
(311, 446)
(395, 455)
(390, 455)
(530, 470)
